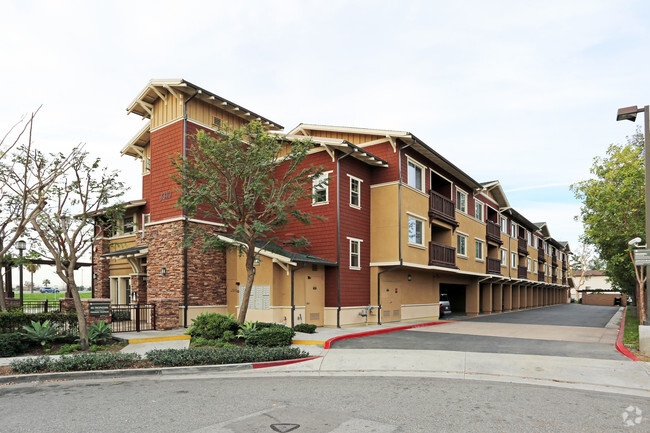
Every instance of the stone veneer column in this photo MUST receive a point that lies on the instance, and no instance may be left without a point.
(139, 286)
(101, 284)
(67, 304)
(167, 313)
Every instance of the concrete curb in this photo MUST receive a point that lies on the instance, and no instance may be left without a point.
(619, 340)
(329, 342)
(139, 372)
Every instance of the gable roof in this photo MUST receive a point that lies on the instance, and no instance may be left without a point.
(499, 195)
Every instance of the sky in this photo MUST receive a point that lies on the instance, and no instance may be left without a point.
(522, 92)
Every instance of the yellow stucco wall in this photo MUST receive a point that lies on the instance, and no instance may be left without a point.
(383, 223)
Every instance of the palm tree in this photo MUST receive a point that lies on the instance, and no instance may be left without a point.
(31, 268)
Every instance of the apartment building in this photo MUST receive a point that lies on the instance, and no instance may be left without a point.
(402, 224)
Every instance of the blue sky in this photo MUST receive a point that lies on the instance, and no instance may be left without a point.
(525, 92)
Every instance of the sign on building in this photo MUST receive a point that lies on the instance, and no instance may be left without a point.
(642, 257)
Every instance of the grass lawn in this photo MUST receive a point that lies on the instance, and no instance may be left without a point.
(50, 296)
(631, 331)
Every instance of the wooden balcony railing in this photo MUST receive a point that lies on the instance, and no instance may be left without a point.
(442, 255)
(493, 232)
(554, 279)
(540, 276)
(554, 260)
(540, 255)
(493, 266)
(440, 207)
(522, 272)
(564, 281)
(522, 246)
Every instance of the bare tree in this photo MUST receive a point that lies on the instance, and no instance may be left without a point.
(25, 178)
(66, 226)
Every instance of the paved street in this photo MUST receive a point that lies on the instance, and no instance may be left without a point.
(332, 404)
(570, 330)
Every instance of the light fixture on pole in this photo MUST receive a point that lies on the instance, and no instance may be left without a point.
(22, 246)
(629, 113)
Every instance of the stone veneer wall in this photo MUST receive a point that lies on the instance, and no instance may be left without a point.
(101, 284)
(206, 273)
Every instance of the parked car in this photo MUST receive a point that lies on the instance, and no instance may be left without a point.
(49, 290)
(445, 307)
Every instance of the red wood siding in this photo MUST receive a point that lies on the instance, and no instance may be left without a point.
(162, 193)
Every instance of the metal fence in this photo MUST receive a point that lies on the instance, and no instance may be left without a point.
(133, 317)
(41, 306)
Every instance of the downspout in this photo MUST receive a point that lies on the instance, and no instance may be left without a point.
(185, 225)
(399, 229)
(338, 239)
(293, 303)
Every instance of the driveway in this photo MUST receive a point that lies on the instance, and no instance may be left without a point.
(571, 330)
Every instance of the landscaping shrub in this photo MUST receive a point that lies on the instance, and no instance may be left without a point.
(42, 333)
(226, 355)
(273, 336)
(12, 344)
(78, 362)
(14, 320)
(307, 328)
(99, 332)
(212, 326)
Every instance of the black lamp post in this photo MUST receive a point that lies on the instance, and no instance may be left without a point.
(22, 246)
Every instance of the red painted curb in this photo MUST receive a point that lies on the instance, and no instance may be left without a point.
(329, 342)
(619, 340)
(283, 362)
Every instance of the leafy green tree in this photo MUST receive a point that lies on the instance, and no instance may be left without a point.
(249, 180)
(66, 227)
(613, 208)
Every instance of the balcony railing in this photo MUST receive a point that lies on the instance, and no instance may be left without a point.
(540, 255)
(522, 272)
(540, 276)
(522, 247)
(493, 232)
(493, 266)
(554, 279)
(554, 260)
(440, 207)
(564, 281)
(442, 255)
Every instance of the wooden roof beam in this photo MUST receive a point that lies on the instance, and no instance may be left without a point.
(159, 93)
(174, 93)
(147, 107)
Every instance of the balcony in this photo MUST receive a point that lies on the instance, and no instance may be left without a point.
(522, 247)
(564, 265)
(554, 279)
(492, 266)
(540, 276)
(564, 281)
(522, 272)
(540, 255)
(554, 260)
(441, 208)
(493, 232)
(442, 255)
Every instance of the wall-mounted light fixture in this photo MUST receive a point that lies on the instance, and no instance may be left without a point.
(164, 271)
(409, 277)
(94, 276)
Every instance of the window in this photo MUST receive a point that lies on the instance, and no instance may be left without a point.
(355, 253)
(513, 260)
(320, 189)
(147, 164)
(530, 238)
(416, 231)
(535, 267)
(461, 245)
(414, 175)
(513, 230)
(529, 264)
(461, 200)
(355, 192)
(480, 255)
(504, 258)
(504, 225)
(129, 224)
(478, 210)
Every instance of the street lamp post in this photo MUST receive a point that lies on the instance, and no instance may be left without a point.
(22, 246)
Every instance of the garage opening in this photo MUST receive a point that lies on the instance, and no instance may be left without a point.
(456, 295)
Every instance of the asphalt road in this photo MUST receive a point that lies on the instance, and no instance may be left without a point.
(316, 405)
(569, 315)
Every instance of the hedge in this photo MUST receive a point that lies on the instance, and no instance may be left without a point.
(273, 336)
(79, 362)
(307, 328)
(12, 344)
(212, 326)
(225, 355)
(12, 321)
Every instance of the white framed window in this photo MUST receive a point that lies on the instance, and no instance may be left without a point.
(355, 192)
(529, 264)
(128, 224)
(479, 211)
(504, 258)
(320, 188)
(415, 174)
(529, 235)
(513, 260)
(513, 230)
(461, 200)
(416, 231)
(504, 225)
(461, 245)
(355, 253)
(535, 267)
(479, 250)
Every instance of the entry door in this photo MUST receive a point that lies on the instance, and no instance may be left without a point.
(391, 304)
(314, 300)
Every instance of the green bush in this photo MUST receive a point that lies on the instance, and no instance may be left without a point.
(273, 336)
(14, 320)
(67, 349)
(200, 341)
(12, 344)
(99, 332)
(226, 355)
(212, 326)
(120, 315)
(78, 362)
(307, 328)
(42, 333)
